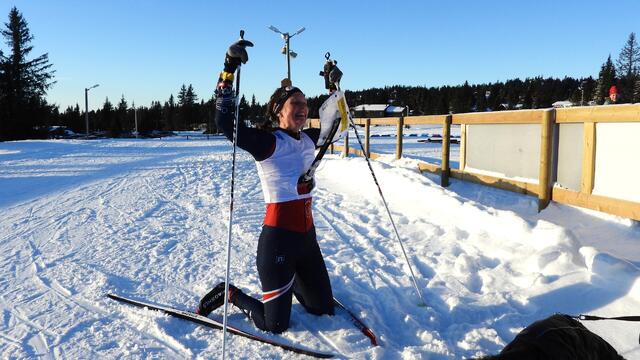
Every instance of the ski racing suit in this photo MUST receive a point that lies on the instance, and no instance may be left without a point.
(288, 258)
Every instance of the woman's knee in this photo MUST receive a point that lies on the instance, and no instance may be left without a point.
(277, 327)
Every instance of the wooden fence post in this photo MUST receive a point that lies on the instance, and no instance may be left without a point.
(463, 147)
(346, 146)
(399, 138)
(367, 135)
(444, 169)
(588, 157)
(544, 181)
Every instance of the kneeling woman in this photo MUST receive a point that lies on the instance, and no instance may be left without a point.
(289, 260)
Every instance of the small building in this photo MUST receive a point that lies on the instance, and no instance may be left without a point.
(377, 111)
(394, 111)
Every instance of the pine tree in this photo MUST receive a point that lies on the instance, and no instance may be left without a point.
(480, 104)
(107, 115)
(244, 109)
(187, 100)
(253, 110)
(636, 92)
(72, 119)
(628, 66)
(187, 106)
(628, 63)
(23, 82)
(154, 116)
(182, 95)
(606, 78)
(169, 118)
(190, 95)
(3, 91)
(119, 121)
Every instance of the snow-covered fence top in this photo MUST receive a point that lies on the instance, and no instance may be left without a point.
(549, 153)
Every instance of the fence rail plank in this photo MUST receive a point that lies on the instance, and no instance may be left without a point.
(432, 168)
(425, 120)
(521, 187)
(609, 205)
(357, 152)
(500, 117)
(377, 121)
(608, 113)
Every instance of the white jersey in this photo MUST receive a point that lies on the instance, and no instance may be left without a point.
(280, 172)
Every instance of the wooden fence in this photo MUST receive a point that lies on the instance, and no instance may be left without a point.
(590, 117)
(548, 120)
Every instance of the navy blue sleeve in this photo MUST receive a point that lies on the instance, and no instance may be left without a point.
(259, 143)
(313, 133)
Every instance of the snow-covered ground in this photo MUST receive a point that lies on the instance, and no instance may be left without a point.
(148, 219)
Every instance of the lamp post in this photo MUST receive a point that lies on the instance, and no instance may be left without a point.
(86, 106)
(135, 119)
(286, 50)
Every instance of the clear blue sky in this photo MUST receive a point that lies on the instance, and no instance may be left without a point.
(145, 50)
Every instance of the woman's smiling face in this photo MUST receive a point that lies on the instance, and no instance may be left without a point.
(294, 113)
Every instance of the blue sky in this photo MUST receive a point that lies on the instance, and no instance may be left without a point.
(145, 50)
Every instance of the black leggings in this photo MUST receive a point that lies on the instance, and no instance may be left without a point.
(288, 262)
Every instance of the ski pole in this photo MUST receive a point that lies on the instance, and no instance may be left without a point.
(236, 121)
(334, 79)
(375, 179)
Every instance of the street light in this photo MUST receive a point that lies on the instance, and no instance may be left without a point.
(583, 84)
(286, 49)
(135, 118)
(86, 106)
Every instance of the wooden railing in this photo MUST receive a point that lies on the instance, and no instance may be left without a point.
(544, 118)
(548, 120)
(590, 117)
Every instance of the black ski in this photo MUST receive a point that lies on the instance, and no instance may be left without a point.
(217, 324)
(358, 323)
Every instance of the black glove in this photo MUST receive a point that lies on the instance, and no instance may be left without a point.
(236, 54)
(332, 74)
(305, 187)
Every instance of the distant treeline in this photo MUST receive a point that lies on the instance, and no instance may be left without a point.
(25, 113)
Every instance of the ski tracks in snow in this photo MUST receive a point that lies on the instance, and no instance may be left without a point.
(63, 249)
(365, 259)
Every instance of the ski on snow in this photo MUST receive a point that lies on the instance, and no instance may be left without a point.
(358, 323)
(217, 324)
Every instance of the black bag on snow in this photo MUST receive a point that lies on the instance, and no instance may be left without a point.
(558, 337)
